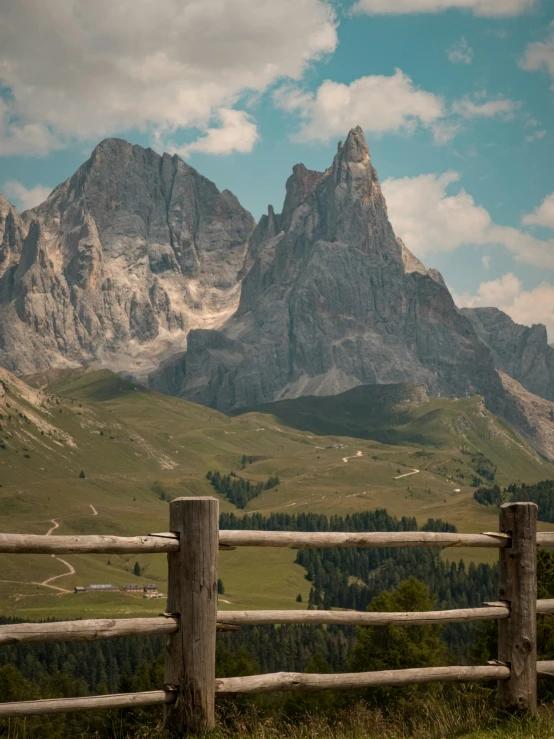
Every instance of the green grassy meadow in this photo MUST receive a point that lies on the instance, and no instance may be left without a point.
(138, 449)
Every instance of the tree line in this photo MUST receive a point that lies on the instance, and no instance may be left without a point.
(381, 580)
(236, 489)
(541, 493)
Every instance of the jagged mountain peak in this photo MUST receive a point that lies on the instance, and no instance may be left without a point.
(119, 263)
(5, 205)
(117, 146)
(355, 148)
(328, 303)
(111, 142)
(137, 258)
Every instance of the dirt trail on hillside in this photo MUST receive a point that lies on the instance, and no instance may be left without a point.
(407, 474)
(358, 454)
(70, 569)
(54, 527)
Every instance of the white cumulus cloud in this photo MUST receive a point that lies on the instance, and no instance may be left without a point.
(25, 197)
(377, 103)
(30, 139)
(383, 104)
(237, 132)
(89, 69)
(537, 136)
(430, 220)
(490, 8)
(467, 108)
(539, 55)
(523, 306)
(460, 52)
(543, 215)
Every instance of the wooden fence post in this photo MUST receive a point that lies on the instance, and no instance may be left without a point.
(192, 593)
(517, 584)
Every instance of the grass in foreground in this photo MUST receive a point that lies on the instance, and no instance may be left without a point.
(362, 723)
(476, 721)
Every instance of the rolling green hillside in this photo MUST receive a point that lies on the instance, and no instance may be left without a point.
(138, 449)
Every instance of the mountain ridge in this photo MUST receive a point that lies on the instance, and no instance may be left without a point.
(140, 264)
(335, 300)
(119, 262)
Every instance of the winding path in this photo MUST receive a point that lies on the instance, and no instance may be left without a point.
(70, 571)
(407, 474)
(358, 454)
(54, 527)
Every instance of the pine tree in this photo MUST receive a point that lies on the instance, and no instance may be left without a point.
(82, 474)
(136, 570)
(299, 598)
(394, 646)
(220, 587)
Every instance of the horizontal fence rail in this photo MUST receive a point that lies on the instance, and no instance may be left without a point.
(112, 628)
(374, 539)
(192, 619)
(545, 669)
(88, 703)
(280, 681)
(94, 629)
(169, 542)
(351, 680)
(87, 630)
(545, 606)
(35, 544)
(365, 618)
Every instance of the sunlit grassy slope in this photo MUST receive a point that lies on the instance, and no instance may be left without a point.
(136, 448)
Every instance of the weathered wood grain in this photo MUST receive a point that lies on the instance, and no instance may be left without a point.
(192, 593)
(86, 630)
(351, 680)
(365, 618)
(378, 539)
(545, 606)
(35, 544)
(517, 584)
(545, 539)
(545, 669)
(88, 703)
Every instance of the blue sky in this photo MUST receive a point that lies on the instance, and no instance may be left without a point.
(456, 98)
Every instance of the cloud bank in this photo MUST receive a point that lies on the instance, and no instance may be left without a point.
(430, 220)
(85, 70)
(490, 8)
(24, 197)
(507, 293)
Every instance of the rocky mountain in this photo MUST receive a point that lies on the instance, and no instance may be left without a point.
(331, 299)
(522, 352)
(532, 415)
(118, 264)
(140, 264)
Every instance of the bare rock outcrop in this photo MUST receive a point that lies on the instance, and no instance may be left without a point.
(331, 300)
(523, 352)
(118, 264)
(532, 415)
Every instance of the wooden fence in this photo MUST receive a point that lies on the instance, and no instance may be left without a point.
(192, 618)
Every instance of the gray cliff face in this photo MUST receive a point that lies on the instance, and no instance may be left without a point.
(11, 236)
(330, 300)
(520, 351)
(119, 263)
